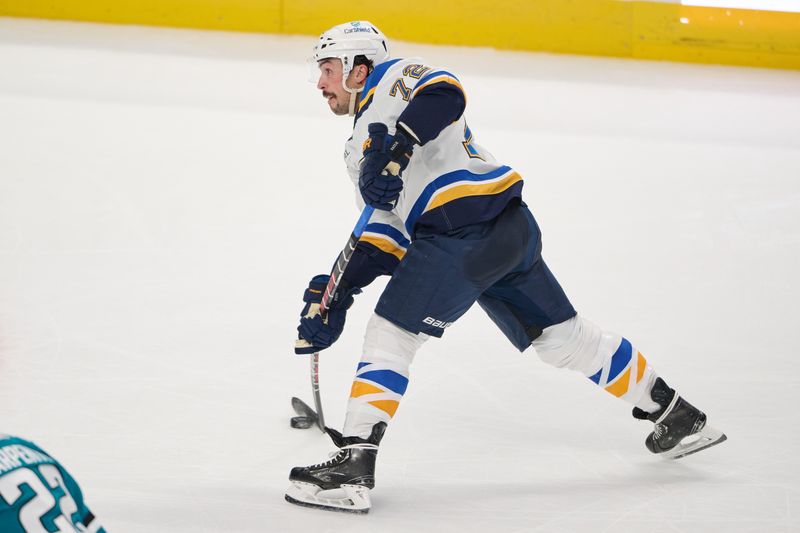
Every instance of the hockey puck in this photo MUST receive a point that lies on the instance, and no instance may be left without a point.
(301, 422)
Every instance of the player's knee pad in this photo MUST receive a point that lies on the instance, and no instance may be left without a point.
(385, 341)
(382, 375)
(577, 344)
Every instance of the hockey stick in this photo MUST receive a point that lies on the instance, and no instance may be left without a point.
(333, 284)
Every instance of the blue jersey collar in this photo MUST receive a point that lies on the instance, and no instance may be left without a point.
(377, 74)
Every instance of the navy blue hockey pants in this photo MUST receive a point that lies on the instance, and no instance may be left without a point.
(496, 263)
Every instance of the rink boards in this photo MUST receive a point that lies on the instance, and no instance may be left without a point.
(661, 30)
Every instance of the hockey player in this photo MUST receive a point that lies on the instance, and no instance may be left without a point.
(37, 494)
(450, 228)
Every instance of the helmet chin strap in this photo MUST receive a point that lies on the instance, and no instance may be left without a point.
(353, 95)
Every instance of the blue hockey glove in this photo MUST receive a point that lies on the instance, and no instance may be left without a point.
(314, 332)
(385, 157)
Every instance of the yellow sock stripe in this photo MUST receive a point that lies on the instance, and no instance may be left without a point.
(384, 246)
(620, 386)
(622, 383)
(361, 388)
(473, 189)
(387, 406)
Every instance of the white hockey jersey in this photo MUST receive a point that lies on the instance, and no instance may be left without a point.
(449, 182)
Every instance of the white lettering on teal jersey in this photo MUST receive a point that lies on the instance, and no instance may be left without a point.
(16, 455)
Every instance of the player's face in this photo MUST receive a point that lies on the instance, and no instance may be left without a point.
(330, 83)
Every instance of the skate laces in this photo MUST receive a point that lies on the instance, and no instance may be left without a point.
(668, 410)
(660, 427)
(356, 446)
(334, 455)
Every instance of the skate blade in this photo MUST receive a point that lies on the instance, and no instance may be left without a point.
(705, 438)
(356, 498)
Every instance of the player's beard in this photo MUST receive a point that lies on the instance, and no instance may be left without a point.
(338, 105)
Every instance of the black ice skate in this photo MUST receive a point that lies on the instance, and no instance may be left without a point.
(342, 483)
(680, 429)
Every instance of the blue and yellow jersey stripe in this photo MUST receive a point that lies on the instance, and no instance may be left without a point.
(462, 184)
(365, 100)
(386, 238)
(435, 78)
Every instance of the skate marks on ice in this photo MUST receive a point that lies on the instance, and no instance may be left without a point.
(657, 496)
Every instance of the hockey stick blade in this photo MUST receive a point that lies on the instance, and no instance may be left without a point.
(302, 409)
(306, 418)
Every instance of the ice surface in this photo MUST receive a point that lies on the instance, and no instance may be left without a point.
(166, 194)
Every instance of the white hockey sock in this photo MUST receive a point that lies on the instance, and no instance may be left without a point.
(382, 376)
(607, 359)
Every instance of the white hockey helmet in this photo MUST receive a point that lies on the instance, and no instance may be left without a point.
(351, 39)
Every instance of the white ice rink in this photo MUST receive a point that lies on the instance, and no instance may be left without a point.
(165, 195)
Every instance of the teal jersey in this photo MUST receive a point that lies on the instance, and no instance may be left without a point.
(37, 494)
